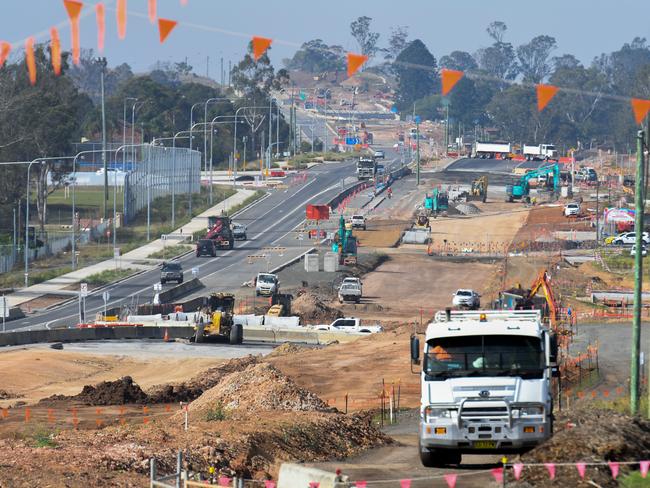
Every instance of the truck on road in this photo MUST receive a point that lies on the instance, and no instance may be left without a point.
(492, 150)
(366, 168)
(350, 325)
(541, 152)
(485, 384)
(350, 292)
(219, 230)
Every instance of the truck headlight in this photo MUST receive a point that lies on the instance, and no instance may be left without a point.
(434, 412)
(527, 411)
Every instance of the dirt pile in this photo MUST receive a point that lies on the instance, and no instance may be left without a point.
(194, 388)
(285, 349)
(7, 395)
(312, 309)
(258, 387)
(121, 392)
(589, 435)
(468, 209)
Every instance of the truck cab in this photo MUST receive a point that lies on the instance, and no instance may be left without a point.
(267, 284)
(485, 384)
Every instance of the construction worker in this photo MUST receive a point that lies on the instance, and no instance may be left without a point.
(390, 192)
(340, 480)
(440, 353)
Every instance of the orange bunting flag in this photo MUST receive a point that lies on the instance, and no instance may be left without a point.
(55, 51)
(449, 79)
(121, 19)
(101, 25)
(639, 106)
(74, 10)
(165, 26)
(5, 49)
(152, 11)
(545, 94)
(260, 45)
(30, 60)
(355, 61)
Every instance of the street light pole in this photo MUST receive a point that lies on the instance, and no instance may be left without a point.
(234, 144)
(124, 130)
(133, 109)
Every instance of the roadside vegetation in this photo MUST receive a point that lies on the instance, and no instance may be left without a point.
(108, 276)
(300, 161)
(169, 252)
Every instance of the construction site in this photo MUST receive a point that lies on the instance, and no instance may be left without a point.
(304, 370)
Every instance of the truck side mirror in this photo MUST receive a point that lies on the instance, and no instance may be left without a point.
(554, 347)
(415, 350)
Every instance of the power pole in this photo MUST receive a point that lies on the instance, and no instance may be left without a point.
(102, 63)
(417, 153)
(639, 200)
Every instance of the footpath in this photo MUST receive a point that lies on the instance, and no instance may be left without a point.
(135, 259)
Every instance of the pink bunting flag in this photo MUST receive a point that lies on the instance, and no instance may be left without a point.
(314, 484)
(224, 481)
(613, 466)
(405, 484)
(361, 484)
(498, 474)
(643, 467)
(517, 469)
(581, 467)
(451, 480)
(551, 469)
(269, 484)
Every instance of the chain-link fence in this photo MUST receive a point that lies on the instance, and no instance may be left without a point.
(158, 172)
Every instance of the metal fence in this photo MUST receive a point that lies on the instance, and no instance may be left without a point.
(160, 171)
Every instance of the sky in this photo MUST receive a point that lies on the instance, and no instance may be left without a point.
(222, 28)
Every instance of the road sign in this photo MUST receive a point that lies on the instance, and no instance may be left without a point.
(195, 271)
(84, 290)
(116, 252)
(163, 237)
(106, 296)
(157, 287)
(4, 307)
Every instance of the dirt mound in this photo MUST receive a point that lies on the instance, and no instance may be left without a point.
(258, 387)
(312, 309)
(7, 395)
(589, 435)
(194, 388)
(120, 392)
(468, 209)
(285, 349)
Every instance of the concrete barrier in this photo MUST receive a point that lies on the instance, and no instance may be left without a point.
(300, 476)
(183, 289)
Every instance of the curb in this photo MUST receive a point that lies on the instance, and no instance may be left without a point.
(291, 261)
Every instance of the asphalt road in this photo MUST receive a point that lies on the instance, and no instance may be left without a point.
(269, 222)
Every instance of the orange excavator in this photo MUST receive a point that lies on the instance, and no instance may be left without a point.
(543, 283)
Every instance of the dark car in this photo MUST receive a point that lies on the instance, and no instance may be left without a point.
(206, 247)
(171, 272)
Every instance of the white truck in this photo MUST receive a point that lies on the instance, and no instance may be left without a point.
(267, 284)
(350, 325)
(490, 150)
(541, 152)
(485, 384)
(350, 292)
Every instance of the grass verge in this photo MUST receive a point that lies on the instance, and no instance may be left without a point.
(169, 252)
(635, 480)
(300, 161)
(108, 276)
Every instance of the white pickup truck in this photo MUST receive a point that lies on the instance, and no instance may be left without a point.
(350, 325)
(350, 292)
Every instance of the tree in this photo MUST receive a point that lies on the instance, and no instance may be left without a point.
(566, 61)
(497, 30)
(38, 121)
(459, 60)
(533, 58)
(396, 42)
(87, 75)
(416, 74)
(621, 67)
(366, 39)
(317, 57)
(498, 61)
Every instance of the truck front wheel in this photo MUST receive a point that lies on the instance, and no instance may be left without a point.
(437, 458)
(236, 334)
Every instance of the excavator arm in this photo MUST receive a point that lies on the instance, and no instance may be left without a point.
(543, 282)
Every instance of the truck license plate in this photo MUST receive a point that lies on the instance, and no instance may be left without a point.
(485, 444)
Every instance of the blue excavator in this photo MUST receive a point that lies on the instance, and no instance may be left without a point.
(548, 177)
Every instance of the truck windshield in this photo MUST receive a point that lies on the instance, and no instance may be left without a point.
(490, 355)
(266, 279)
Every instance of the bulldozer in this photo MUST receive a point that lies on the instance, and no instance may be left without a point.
(219, 308)
(479, 189)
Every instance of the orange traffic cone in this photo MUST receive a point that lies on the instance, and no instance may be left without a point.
(166, 336)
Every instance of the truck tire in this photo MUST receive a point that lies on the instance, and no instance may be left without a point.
(231, 245)
(236, 334)
(429, 458)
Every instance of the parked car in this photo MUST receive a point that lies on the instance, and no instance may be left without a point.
(238, 231)
(629, 238)
(379, 155)
(358, 222)
(267, 284)
(171, 272)
(350, 325)
(572, 209)
(205, 247)
(644, 250)
(466, 299)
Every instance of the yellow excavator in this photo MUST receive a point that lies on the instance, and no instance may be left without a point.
(479, 189)
(216, 320)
